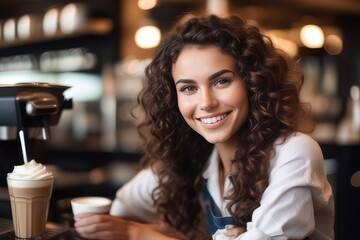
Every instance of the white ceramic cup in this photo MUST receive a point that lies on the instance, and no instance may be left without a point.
(90, 205)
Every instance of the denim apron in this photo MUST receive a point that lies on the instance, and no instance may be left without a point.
(215, 221)
(213, 214)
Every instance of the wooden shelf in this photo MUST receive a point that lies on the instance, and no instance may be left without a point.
(92, 26)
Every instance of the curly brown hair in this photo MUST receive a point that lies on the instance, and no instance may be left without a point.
(179, 155)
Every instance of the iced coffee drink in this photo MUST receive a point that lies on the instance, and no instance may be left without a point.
(30, 188)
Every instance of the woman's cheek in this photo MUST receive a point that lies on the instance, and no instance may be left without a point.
(186, 107)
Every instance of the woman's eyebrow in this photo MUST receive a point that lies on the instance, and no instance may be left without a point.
(219, 73)
(184, 81)
(211, 77)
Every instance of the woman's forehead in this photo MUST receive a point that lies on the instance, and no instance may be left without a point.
(193, 59)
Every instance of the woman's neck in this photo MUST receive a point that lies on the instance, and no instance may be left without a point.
(226, 154)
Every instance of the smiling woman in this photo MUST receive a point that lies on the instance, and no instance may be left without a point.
(225, 153)
(211, 96)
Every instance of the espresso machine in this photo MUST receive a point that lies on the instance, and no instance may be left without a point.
(28, 110)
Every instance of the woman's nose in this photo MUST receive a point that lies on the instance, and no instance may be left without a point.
(208, 101)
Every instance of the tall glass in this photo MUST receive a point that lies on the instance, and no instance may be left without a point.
(29, 201)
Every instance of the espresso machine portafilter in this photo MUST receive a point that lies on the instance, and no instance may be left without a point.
(27, 110)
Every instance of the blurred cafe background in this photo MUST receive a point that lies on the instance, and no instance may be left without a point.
(100, 50)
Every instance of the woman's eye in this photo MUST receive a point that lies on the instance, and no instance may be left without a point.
(188, 89)
(222, 82)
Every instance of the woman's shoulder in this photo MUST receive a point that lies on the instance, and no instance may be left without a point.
(298, 147)
(298, 140)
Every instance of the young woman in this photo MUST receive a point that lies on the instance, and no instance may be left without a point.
(225, 155)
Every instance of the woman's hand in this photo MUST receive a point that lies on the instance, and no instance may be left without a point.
(235, 231)
(229, 233)
(101, 226)
(106, 227)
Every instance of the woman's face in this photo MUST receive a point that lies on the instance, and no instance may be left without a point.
(211, 95)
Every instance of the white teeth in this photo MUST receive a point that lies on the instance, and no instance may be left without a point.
(213, 119)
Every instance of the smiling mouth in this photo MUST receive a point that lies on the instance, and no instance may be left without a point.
(213, 119)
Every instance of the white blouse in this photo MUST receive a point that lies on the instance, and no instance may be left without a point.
(297, 203)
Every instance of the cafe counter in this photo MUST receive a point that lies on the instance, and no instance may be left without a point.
(53, 231)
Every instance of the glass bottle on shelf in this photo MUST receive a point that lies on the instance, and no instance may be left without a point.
(349, 127)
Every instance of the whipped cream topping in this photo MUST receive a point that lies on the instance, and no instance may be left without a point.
(30, 171)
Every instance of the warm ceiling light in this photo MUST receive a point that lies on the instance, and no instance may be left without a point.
(147, 36)
(284, 44)
(333, 44)
(146, 4)
(312, 36)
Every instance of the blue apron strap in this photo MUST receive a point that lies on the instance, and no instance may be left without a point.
(215, 222)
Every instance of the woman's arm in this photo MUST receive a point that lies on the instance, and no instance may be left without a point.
(298, 201)
(108, 227)
(133, 201)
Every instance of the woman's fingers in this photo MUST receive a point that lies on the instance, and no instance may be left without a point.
(101, 227)
(236, 231)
